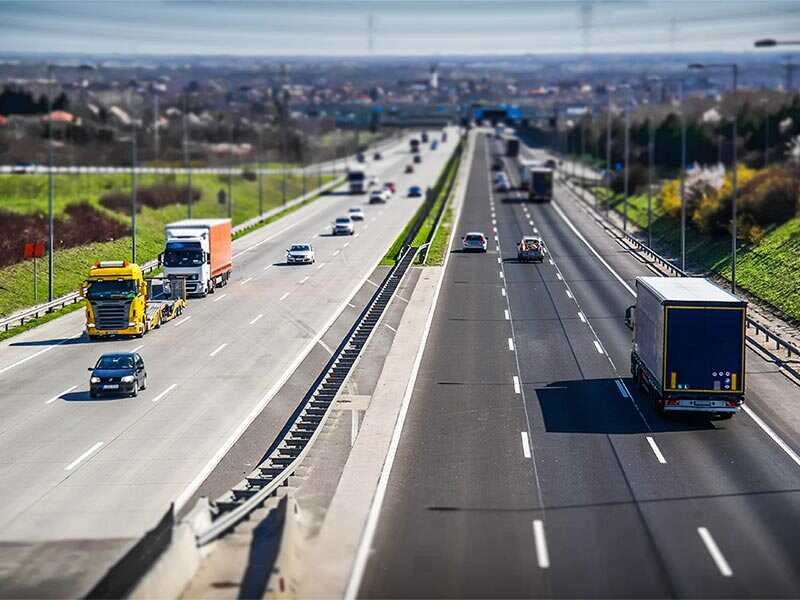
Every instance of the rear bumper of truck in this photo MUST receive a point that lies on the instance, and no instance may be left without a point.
(704, 405)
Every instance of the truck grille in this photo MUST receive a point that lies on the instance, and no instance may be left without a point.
(111, 315)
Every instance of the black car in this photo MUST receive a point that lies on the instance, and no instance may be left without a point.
(417, 158)
(377, 156)
(118, 373)
(497, 165)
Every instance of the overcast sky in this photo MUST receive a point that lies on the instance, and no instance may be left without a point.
(398, 27)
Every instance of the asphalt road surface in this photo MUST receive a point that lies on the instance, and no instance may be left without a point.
(72, 468)
(527, 468)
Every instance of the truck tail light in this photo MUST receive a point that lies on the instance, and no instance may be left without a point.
(672, 402)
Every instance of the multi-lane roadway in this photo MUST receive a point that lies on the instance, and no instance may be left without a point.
(528, 464)
(95, 471)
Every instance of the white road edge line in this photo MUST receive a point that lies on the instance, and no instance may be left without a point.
(516, 384)
(526, 445)
(219, 349)
(598, 347)
(511, 344)
(775, 437)
(656, 450)
(165, 392)
(542, 555)
(83, 456)
(715, 552)
(66, 391)
(256, 319)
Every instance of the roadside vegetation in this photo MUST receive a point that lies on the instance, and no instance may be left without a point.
(93, 221)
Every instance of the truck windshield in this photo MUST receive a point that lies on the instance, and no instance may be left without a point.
(107, 290)
(356, 176)
(183, 254)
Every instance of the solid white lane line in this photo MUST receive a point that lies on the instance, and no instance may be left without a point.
(775, 437)
(83, 456)
(335, 252)
(581, 317)
(622, 389)
(516, 384)
(569, 294)
(282, 298)
(560, 278)
(542, 556)
(183, 320)
(218, 298)
(304, 279)
(219, 348)
(715, 552)
(66, 391)
(256, 319)
(34, 355)
(320, 266)
(245, 281)
(503, 291)
(598, 347)
(511, 344)
(656, 450)
(506, 315)
(137, 348)
(526, 445)
(165, 392)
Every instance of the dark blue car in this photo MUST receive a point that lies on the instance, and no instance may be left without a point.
(118, 373)
(414, 191)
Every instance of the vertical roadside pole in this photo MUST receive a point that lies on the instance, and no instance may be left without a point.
(156, 140)
(683, 175)
(230, 174)
(651, 150)
(50, 233)
(186, 158)
(133, 192)
(627, 166)
(608, 150)
(734, 182)
(260, 170)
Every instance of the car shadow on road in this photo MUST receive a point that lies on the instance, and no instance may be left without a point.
(286, 264)
(598, 406)
(342, 194)
(83, 339)
(84, 396)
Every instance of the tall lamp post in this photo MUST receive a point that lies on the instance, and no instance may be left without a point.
(50, 224)
(735, 74)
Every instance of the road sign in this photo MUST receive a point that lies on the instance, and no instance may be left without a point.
(35, 250)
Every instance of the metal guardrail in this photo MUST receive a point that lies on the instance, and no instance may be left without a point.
(297, 438)
(769, 335)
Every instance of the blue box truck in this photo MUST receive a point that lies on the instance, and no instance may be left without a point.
(688, 345)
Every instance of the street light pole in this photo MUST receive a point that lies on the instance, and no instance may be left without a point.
(627, 167)
(133, 192)
(683, 176)
(186, 158)
(608, 148)
(651, 164)
(50, 222)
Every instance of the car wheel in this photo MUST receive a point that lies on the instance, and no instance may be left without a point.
(144, 383)
(135, 389)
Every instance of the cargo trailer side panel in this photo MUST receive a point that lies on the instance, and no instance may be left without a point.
(220, 247)
(649, 331)
(704, 349)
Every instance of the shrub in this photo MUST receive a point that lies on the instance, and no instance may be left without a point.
(637, 178)
(155, 196)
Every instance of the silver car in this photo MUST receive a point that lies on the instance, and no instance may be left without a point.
(343, 226)
(474, 241)
(300, 254)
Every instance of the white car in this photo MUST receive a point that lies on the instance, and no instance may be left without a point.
(373, 182)
(378, 197)
(356, 213)
(343, 226)
(299, 254)
(474, 241)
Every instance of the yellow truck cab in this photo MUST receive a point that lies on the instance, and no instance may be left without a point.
(116, 299)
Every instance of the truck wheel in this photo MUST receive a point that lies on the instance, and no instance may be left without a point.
(724, 416)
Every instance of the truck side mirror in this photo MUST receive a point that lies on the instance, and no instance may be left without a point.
(630, 316)
(208, 257)
(160, 259)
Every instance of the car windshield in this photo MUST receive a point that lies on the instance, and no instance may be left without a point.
(474, 238)
(300, 248)
(111, 289)
(355, 210)
(183, 254)
(115, 361)
(343, 220)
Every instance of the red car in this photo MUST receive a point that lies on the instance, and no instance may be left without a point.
(389, 185)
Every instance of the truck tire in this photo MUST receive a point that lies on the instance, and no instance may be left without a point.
(724, 416)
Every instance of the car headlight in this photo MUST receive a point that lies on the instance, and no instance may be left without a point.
(94, 379)
(127, 379)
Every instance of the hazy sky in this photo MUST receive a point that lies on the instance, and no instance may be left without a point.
(341, 27)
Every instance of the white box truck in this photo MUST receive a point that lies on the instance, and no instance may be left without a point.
(198, 251)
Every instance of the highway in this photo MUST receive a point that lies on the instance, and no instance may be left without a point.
(74, 469)
(528, 464)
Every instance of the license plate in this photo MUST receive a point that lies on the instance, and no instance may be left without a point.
(112, 386)
(703, 404)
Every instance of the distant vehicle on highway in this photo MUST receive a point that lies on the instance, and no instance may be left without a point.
(118, 373)
(444, 136)
(389, 185)
(530, 249)
(688, 345)
(199, 251)
(360, 157)
(512, 147)
(357, 181)
(424, 137)
(356, 213)
(550, 164)
(474, 241)
(502, 183)
(434, 145)
(497, 165)
(378, 197)
(300, 254)
(377, 156)
(21, 168)
(541, 185)
(413, 145)
(409, 169)
(414, 191)
(343, 226)
(417, 159)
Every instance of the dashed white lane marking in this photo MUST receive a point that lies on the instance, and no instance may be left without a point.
(320, 266)
(516, 384)
(83, 456)
(503, 291)
(218, 298)
(282, 298)
(256, 319)
(66, 391)
(268, 267)
(183, 320)
(542, 556)
(390, 327)
(511, 344)
(496, 239)
(494, 229)
(137, 348)
(494, 221)
(165, 392)
(499, 261)
(581, 317)
(569, 294)
(535, 230)
(346, 244)
(34, 355)
(598, 347)
(335, 252)
(622, 389)
(245, 281)
(715, 552)
(304, 279)
(560, 278)
(506, 315)
(501, 275)
(530, 223)
(550, 260)
(656, 450)
(353, 427)
(526, 445)
(219, 349)
(355, 236)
